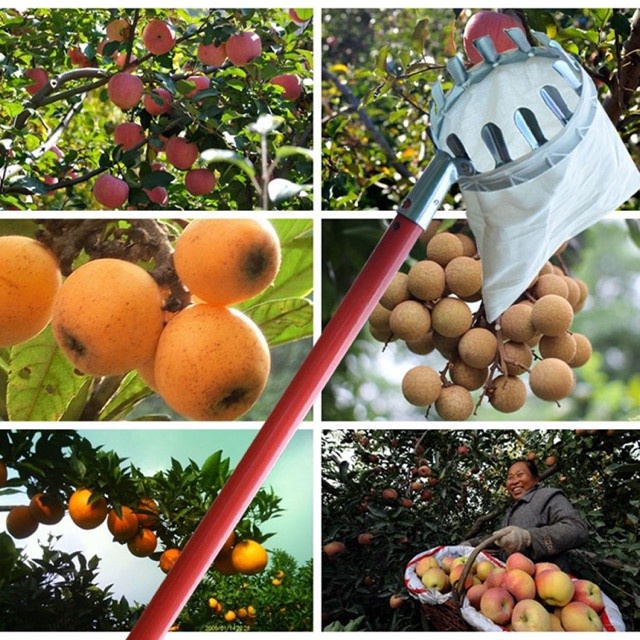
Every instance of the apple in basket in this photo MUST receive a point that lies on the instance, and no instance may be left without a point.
(578, 616)
(436, 578)
(425, 563)
(497, 605)
(530, 615)
(554, 587)
(589, 593)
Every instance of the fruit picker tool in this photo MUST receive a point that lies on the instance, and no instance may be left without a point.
(537, 161)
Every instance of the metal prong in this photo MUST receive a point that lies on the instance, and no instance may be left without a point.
(519, 39)
(527, 124)
(437, 95)
(565, 55)
(486, 49)
(565, 71)
(492, 136)
(455, 66)
(556, 103)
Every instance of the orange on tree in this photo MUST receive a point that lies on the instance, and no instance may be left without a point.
(29, 285)
(168, 559)
(241, 613)
(229, 542)
(249, 557)
(148, 513)
(20, 522)
(46, 508)
(212, 363)
(124, 526)
(213, 604)
(224, 262)
(276, 582)
(143, 543)
(223, 564)
(230, 616)
(87, 510)
(108, 316)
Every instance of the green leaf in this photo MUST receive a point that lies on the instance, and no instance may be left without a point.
(42, 381)
(157, 179)
(280, 189)
(223, 155)
(286, 151)
(283, 321)
(132, 390)
(77, 404)
(420, 33)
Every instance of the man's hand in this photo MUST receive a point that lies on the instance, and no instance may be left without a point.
(513, 539)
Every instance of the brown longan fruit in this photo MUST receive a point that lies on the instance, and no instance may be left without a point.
(547, 267)
(468, 377)
(550, 283)
(226, 261)
(381, 334)
(516, 324)
(426, 280)
(423, 345)
(463, 276)
(396, 292)
(562, 346)
(29, 281)
(551, 379)
(444, 247)
(410, 320)
(421, 386)
(451, 317)
(477, 347)
(507, 394)
(429, 232)
(551, 315)
(574, 293)
(379, 317)
(519, 357)
(583, 351)
(212, 363)
(446, 346)
(468, 244)
(107, 317)
(584, 293)
(454, 403)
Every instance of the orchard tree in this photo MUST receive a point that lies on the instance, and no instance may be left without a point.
(377, 78)
(104, 317)
(154, 515)
(156, 109)
(388, 495)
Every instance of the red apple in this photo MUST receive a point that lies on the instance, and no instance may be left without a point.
(475, 594)
(424, 471)
(463, 450)
(488, 23)
(446, 563)
(554, 587)
(110, 192)
(212, 55)
(202, 83)
(180, 153)
(578, 616)
(589, 593)
(429, 562)
(118, 30)
(199, 182)
(158, 37)
(125, 90)
(243, 47)
(484, 568)
(291, 84)
(293, 14)
(497, 605)
(396, 600)
(435, 578)
(519, 584)
(334, 548)
(530, 615)
(390, 494)
(39, 77)
(544, 566)
(494, 579)
(120, 58)
(157, 195)
(128, 135)
(520, 561)
(158, 101)
(78, 59)
(365, 539)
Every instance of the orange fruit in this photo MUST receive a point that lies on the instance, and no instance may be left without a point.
(212, 363)
(108, 316)
(20, 522)
(213, 603)
(251, 610)
(249, 557)
(276, 582)
(30, 281)
(230, 616)
(168, 558)
(46, 509)
(224, 262)
(148, 513)
(85, 514)
(3, 474)
(122, 527)
(143, 543)
(241, 613)
(222, 564)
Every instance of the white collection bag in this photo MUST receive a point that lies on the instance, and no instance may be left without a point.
(557, 166)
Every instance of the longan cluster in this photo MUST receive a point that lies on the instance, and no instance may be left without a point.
(208, 361)
(437, 306)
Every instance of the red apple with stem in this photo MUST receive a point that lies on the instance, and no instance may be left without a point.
(109, 191)
(243, 47)
(125, 90)
(158, 101)
(158, 37)
(291, 84)
(181, 153)
(199, 182)
(128, 135)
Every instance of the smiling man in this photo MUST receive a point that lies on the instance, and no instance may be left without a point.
(542, 524)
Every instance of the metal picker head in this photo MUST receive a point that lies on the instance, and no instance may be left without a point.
(537, 158)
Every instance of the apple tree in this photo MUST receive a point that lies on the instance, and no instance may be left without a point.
(169, 504)
(389, 494)
(156, 109)
(39, 382)
(379, 65)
